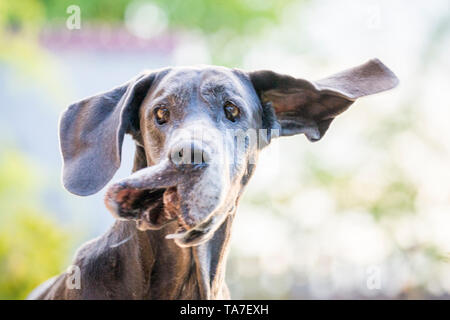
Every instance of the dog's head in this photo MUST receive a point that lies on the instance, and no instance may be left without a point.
(198, 131)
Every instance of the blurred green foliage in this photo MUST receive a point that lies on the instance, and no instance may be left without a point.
(231, 19)
(208, 16)
(20, 24)
(32, 246)
(26, 15)
(395, 197)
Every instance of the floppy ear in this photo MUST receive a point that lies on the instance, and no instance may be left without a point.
(308, 107)
(91, 133)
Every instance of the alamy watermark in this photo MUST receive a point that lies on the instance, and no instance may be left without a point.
(373, 278)
(73, 22)
(73, 279)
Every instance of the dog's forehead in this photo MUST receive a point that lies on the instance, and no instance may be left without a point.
(201, 78)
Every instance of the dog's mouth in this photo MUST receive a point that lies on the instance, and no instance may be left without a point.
(187, 236)
(153, 197)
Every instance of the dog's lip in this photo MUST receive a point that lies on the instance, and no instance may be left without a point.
(165, 175)
(199, 234)
(147, 221)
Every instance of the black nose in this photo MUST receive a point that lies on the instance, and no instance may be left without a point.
(189, 153)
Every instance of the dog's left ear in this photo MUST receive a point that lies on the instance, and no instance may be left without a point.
(308, 107)
(91, 133)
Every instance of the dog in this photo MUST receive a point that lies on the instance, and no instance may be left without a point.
(198, 131)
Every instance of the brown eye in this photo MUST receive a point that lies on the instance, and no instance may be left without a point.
(231, 111)
(162, 115)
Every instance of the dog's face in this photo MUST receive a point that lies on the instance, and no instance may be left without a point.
(198, 130)
(195, 117)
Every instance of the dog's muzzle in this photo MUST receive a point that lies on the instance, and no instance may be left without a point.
(175, 190)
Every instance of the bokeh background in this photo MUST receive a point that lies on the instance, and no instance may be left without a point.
(364, 213)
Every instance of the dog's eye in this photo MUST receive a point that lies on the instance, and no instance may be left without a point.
(162, 115)
(231, 111)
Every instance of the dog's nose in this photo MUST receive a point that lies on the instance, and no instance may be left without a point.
(189, 153)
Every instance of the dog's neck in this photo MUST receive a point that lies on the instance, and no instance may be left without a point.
(172, 272)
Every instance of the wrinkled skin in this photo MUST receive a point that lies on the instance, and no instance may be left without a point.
(174, 213)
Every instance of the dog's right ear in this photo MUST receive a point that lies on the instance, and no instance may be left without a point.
(91, 133)
(302, 106)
